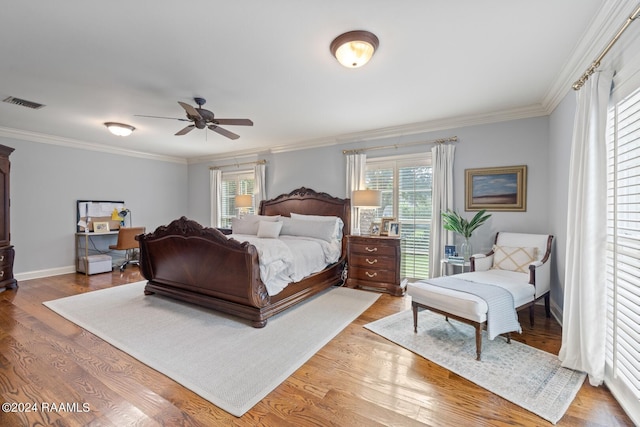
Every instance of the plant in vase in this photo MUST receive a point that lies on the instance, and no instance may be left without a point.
(452, 221)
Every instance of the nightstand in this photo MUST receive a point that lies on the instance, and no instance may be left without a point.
(374, 263)
(455, 264)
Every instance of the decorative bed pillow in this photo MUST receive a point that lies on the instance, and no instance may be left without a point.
(324, 230)
(269, 229)
(249, 223)
(337, 221)
(513, 258)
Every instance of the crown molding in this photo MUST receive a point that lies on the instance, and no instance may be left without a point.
(82, 145)
(602, 28)
(388, 132)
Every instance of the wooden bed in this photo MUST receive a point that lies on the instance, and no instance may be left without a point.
(200, 265)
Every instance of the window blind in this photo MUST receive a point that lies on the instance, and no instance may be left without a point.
(623, 247)
(406, 195)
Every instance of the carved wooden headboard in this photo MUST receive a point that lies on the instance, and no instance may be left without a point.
(309, 202)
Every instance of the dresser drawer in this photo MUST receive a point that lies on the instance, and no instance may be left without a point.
(6, 256)
(374, 248)
(373, 261)
(6, 272)
(372, 274)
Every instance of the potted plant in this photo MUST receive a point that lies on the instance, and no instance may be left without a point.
(452, 221)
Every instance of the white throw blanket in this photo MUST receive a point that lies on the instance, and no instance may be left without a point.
(501, 312)
(290, 259)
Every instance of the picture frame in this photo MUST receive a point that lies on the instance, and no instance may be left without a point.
(101, 227)
(394, 229)
(449, 250)
(384, 225)
(374, 228)
(496, 189)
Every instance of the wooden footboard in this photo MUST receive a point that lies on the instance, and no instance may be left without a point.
(200, 265)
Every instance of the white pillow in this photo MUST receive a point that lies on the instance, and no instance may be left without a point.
(269, 229)
(308, 228)
(513, 258)
(256, 218)
(249, 223)
(337, 221)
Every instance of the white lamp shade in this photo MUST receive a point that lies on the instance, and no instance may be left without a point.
(244, 201)
(366, 198)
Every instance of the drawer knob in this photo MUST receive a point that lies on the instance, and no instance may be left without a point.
(1, 258)
(368, 249)
(371, 262)
(1, 273)
(370, 275)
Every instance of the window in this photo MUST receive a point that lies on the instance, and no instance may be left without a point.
(622, 372)
(233, 184)
(405, 184)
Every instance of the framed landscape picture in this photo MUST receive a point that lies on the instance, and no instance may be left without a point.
(496, 189)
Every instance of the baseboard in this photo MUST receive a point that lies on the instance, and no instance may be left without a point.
(37, 274)
(556, 312)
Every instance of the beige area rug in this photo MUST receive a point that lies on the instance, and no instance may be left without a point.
(526, 376)
(222, 358)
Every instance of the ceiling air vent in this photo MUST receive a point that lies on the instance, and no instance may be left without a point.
(23, 102)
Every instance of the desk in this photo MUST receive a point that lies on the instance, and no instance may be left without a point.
(107, 237)
(446, 262)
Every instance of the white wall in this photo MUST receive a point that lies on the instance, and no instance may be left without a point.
(517, 142)
(51, 178)
(46, 181)
(560, 131)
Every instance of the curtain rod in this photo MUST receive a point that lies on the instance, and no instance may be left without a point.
(596, 63)
(433, 141)
(257, 162)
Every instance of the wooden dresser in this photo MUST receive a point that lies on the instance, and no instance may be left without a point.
(374, 263)
(6, 250)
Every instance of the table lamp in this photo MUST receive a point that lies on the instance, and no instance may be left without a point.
(243, 203)
(365, 199)
(121, 215)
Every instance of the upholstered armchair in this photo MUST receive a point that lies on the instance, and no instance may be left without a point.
(517, 258)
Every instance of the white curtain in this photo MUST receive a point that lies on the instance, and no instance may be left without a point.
(585, 290)
(259, 188)
(442, 157)
(215, 178)
(356, 169)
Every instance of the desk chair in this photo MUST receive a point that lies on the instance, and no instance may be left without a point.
(127, 242)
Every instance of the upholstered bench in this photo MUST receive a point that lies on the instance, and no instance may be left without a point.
(527, 282)
(462, 306)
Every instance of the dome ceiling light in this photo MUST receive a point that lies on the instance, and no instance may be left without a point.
(119, 129)
(355, 48)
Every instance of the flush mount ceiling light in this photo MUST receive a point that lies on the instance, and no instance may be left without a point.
(355, 48)
(119, 129)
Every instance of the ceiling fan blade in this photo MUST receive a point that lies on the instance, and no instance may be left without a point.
(235, 122)
(186, 130)
(159, 117)
(224, 132)
(191, 112)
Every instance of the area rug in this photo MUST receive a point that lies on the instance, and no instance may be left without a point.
(220, 357)
(526, 376)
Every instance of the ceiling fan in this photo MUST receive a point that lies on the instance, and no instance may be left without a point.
(202, 118)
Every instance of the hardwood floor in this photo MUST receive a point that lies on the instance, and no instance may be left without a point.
(358, 379)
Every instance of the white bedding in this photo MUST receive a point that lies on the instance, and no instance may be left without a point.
(290, 258)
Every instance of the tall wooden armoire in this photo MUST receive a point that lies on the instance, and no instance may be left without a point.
(7, 252)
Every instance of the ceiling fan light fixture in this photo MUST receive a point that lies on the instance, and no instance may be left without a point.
(119, 129)
(354, 48)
